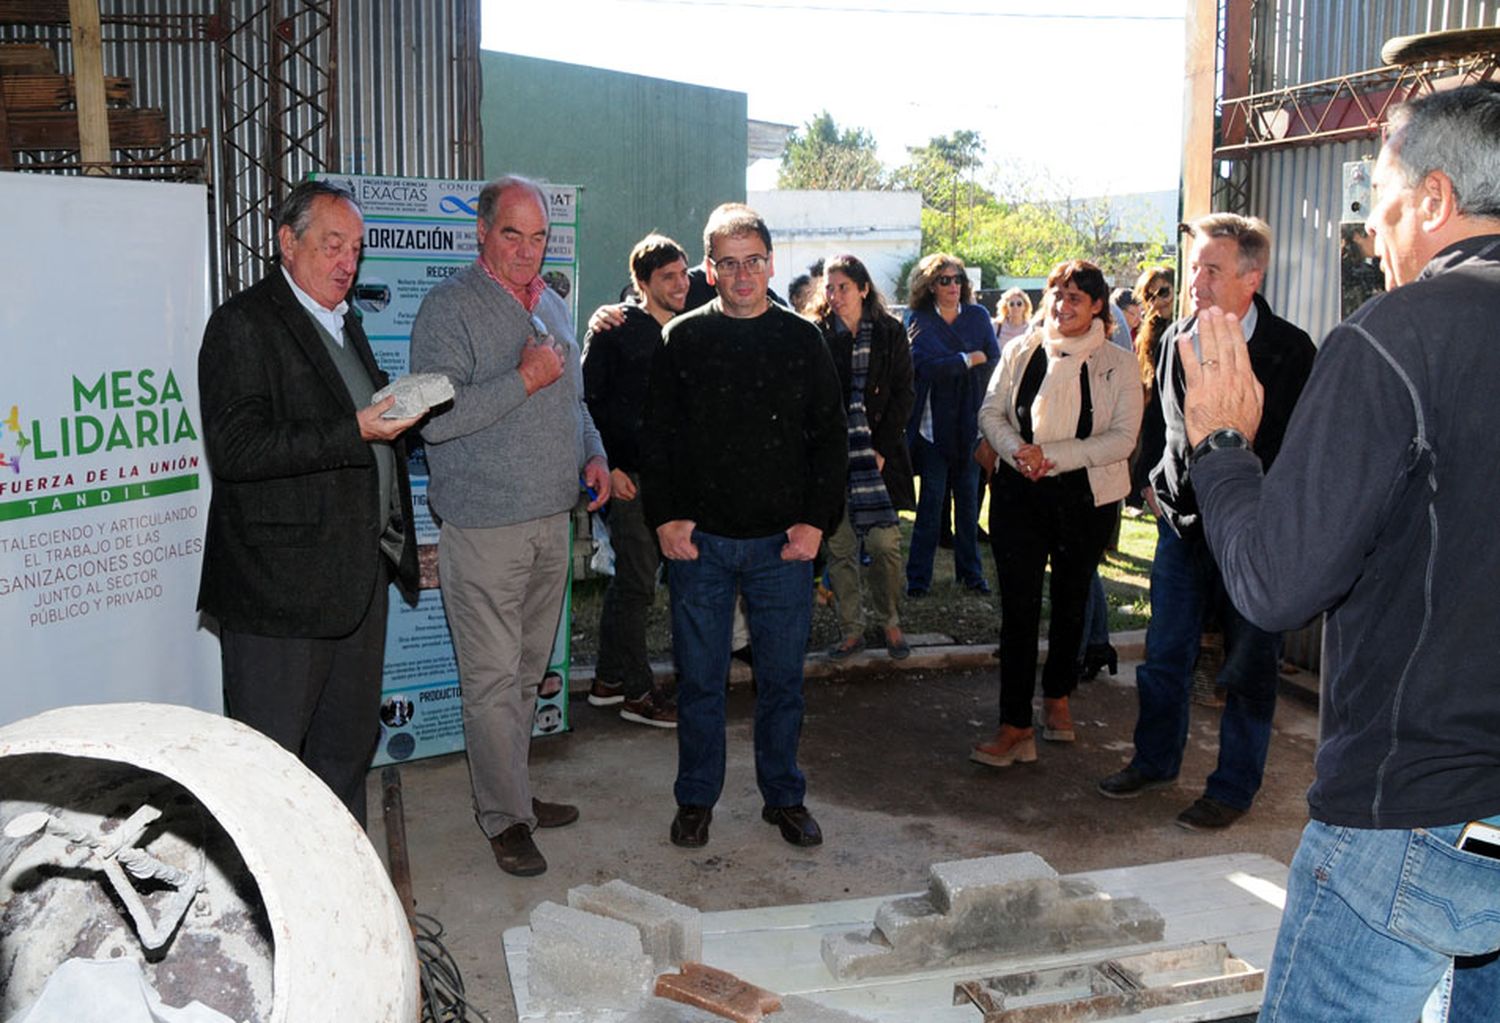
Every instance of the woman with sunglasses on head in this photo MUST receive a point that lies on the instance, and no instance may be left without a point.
(1014, 318)
(1062, 413)
(953, 352)
(870, 352)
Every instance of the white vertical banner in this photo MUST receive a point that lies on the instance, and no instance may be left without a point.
(104, 486)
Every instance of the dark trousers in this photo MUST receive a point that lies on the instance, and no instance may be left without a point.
(318, 698)
(1032, 523)
(623, 658)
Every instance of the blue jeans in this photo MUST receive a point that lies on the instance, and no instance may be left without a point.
(1185, 585)
(1372, 921)
(963, 478)
(778, 603)
(1095, 617)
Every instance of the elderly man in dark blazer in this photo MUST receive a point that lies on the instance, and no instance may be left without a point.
(311, 511)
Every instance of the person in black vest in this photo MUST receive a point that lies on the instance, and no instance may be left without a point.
(311, 511)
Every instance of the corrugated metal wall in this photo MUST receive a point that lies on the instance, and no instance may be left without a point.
(405, 96)
(1299, 191)
(409, 88)
(1308, 40)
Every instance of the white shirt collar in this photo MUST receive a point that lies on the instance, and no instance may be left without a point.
(331, 319)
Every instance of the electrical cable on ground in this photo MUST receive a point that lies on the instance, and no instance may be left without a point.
(443, 998)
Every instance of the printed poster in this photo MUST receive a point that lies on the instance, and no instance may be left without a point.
(418, 232)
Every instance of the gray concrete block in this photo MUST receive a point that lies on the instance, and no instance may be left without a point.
(855, 954)
(585, 961)
(980, 910)
(957, 882)
(671, 933)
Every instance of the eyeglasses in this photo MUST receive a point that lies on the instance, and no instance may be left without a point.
(732, 267)
(944, 280)
(1163, 292)
(1016, 303)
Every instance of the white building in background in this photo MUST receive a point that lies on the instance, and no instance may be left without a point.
(883, 229)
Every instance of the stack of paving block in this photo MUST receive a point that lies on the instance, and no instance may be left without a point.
(604, 949)
(614, 947)
(985, 909)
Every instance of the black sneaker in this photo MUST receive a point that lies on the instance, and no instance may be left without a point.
(606, 694)
(1129, 783)
(1208, 815)
(650, 709)
(690, 826)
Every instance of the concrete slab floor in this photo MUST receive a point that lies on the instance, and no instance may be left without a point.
(888, 780)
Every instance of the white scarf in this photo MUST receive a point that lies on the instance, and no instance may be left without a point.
(1054, 410)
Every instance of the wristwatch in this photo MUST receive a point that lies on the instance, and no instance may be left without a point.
(1219, 440)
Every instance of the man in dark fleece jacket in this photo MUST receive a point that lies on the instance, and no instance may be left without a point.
(616, 372)
(744, 457)
(1381, 511)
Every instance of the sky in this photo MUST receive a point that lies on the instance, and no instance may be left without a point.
(1081, 96)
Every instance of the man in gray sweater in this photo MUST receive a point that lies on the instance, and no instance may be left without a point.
(505, 460)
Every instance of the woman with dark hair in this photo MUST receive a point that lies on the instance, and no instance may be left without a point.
(1062, 414)
(874, 362)
(1153, 289)
(953, 351)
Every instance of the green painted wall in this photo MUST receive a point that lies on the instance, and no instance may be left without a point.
(647, 154)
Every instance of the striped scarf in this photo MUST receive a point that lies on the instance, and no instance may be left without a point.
(869, 504)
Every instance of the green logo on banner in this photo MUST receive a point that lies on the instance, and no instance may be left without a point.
(99, 497)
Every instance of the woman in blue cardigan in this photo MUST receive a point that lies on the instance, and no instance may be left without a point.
(953, 352)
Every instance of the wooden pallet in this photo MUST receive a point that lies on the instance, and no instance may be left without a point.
(1234, 899)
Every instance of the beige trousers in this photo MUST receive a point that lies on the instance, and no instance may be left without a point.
(503, 591)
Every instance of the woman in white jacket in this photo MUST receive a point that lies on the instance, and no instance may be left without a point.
(1062, 413)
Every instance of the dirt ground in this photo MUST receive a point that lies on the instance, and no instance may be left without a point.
(888, 779)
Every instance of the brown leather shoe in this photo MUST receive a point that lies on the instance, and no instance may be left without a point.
(516, 853)
(553, 815)
(1057, 722)
(1010, 745)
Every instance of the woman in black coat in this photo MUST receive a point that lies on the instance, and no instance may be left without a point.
(870, 350)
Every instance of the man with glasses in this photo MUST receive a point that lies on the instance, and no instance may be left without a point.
(1226, 268)
(743, 464)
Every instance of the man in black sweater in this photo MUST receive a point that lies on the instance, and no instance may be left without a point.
(1226, 269)
(744, 456)
(616, 371)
